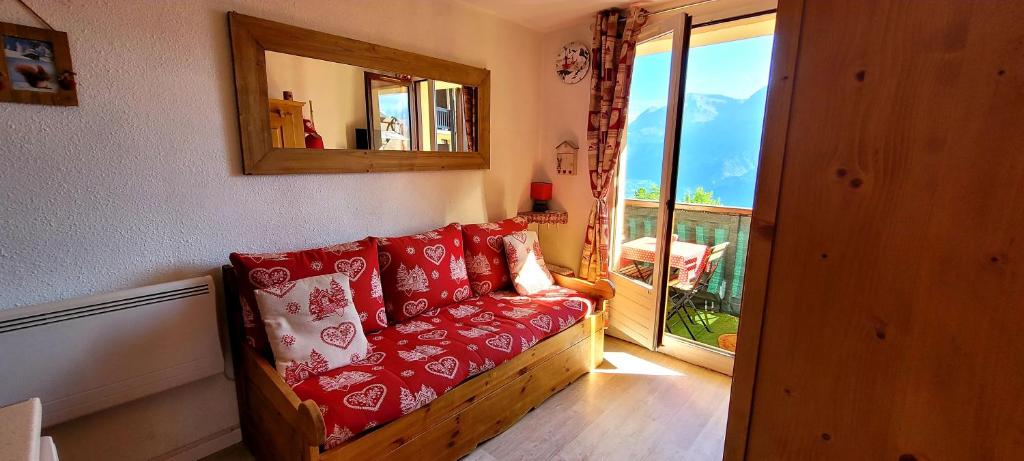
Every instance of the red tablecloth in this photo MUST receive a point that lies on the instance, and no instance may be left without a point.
(684, 256)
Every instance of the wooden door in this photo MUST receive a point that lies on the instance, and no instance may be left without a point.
(890, 314)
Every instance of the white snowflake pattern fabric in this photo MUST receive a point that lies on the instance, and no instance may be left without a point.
(375, 289)
(478, 265)
(422, 271)
(412, 280)
(324, 333)
(457, 267)
(414, 361)
(526, 263)
(485, 253)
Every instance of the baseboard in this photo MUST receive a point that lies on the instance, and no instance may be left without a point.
(205, 446)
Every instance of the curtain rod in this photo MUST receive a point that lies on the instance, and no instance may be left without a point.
(681, 7)
(674, 8)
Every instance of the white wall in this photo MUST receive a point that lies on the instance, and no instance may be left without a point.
(142, 182)
(564, 117)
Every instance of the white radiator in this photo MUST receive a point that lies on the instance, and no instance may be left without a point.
(87, 354)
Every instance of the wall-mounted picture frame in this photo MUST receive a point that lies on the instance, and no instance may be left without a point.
(36, 67)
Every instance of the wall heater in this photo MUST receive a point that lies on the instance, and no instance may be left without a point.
(87, 354)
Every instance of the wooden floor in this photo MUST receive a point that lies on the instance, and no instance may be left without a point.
(639, 405)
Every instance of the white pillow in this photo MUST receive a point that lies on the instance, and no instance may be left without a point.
(526, 263)
(312, 325)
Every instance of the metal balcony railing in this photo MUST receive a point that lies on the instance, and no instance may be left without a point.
(444, 119)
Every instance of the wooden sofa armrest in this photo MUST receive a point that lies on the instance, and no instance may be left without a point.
(263, 396)
(305, 414)
(603, 288)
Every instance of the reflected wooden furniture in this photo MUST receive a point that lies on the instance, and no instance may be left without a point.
(286, 123)
(277, 425)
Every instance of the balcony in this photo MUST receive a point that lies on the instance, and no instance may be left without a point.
(444, 118)
(706, 225)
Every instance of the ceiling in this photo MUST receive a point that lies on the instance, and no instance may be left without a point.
(544, 15)
(548, 15)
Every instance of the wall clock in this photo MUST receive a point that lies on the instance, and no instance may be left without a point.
(572, 62)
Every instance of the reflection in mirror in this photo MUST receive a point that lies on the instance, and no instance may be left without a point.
(390, 101)
(319, 104)
(327, 94)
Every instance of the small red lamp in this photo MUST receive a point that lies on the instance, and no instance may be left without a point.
(540, 192)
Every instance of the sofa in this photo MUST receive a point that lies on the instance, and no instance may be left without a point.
(435, 382)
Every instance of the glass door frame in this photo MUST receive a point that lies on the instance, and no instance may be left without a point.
(698, 354)
(691, 351)
(678, 24)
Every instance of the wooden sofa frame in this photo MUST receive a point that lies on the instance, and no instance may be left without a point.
(277, 425)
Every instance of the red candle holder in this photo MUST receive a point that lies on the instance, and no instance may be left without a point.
(540, 192)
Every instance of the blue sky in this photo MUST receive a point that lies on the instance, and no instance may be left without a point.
(722, 68)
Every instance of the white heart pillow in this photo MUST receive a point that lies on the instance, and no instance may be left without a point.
(526, 263)
(312, 324)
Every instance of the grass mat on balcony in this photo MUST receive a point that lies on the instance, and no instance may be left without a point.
(719, 322)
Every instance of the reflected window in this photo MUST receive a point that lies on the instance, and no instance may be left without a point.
(391, 101)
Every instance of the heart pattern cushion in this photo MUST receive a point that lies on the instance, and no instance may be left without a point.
(271, 271)
(416, 361)
(526, 263)
(485, 253)
(423, 271)
(312, 325)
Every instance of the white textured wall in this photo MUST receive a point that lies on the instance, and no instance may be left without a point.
(564, 118)
(142, 182)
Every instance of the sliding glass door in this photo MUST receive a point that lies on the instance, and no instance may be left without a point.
(688, 182)
(641, 209)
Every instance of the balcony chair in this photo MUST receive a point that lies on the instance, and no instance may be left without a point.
(636, 271)
(682, 292)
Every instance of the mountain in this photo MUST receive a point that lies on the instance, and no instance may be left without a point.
(720, 147)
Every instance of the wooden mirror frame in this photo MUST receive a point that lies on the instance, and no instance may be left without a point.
(252, 37)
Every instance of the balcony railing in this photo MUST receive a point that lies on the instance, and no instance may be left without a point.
(444, 119)
(707, 225)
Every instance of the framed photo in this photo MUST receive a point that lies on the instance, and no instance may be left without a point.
(36, 67)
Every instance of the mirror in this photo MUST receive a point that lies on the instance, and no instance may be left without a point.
(317, 104)
(310, 102)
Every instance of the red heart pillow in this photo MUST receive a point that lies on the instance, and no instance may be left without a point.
(423, 271)
(357, 260)
(485, 253)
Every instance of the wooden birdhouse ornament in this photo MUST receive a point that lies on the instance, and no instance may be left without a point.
(565, 158)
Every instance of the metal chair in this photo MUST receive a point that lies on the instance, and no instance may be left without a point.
(682, 292)
(636, 271)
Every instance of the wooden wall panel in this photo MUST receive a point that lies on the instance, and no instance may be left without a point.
(633, 316)
(895, 297)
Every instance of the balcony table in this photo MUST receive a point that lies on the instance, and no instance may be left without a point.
(684, 256)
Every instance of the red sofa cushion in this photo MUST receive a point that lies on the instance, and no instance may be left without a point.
(423, 271)
(411, 363)
(485, 254)
(357, 260)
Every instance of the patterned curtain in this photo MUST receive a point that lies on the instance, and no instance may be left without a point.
(469, 110)
(612, 55)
